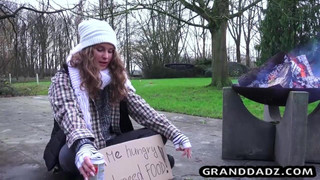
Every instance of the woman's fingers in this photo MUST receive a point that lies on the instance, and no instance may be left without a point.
(88, 163)
(87, 169)
(83, 173)
(88, 166)
(187, 151)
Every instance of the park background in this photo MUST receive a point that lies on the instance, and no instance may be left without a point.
(221, 39)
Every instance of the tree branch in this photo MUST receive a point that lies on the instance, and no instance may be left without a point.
(14, 13)
(239, 13)
(151, 7)
(202, 11)
(141, 6)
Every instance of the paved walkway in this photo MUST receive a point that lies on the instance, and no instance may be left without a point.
(26, 124)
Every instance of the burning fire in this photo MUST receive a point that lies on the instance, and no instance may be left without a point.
(287, 70)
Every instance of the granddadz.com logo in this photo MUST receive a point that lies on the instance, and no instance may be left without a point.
(257, 171)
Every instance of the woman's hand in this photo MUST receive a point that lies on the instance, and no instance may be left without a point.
(182, 143)
(186, 151)
(87, 169)
(83, 162)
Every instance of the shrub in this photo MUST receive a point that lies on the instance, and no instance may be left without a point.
(159, 71)
(208, 72)
(204, 65)
(237, 69)
(6, 89)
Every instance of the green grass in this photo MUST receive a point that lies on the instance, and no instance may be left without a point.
(32, 88)
(184, 95)
(190, 96)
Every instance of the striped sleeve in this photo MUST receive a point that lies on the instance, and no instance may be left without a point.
(181, 140)
(66, 110)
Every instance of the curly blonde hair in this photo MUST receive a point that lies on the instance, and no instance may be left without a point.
(90, 74)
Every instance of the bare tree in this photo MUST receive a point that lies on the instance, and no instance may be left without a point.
(200, 35)
(127, 47)
(235, 27)
(22, 48)
(8, 12)
(204, 39)
(160, 39)
(106, 11)
(15, 60)
(7, 37)
(42, 31)
(31, 38)
(250, 29)
(32, 43)
(217, 14)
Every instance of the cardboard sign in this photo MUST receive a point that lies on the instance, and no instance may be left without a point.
(141, 159)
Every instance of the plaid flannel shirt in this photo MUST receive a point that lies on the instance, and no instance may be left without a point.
(67, 113)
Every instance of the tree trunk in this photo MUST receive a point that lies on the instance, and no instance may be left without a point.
(248, 55)
(203, 40)
(43, 59)
(220, 76)
(127, 42)
(16, 57)
(238, 51)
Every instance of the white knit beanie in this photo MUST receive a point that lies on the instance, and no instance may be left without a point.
(91, 32)
(94, 32)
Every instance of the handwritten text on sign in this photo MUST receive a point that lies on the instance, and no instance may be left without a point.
(141, 159)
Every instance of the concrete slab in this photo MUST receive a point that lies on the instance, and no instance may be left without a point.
(26, 124)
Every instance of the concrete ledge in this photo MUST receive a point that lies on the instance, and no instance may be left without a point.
(243, 135)
(289, 140)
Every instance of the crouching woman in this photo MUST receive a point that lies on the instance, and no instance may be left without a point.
(92, 99)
